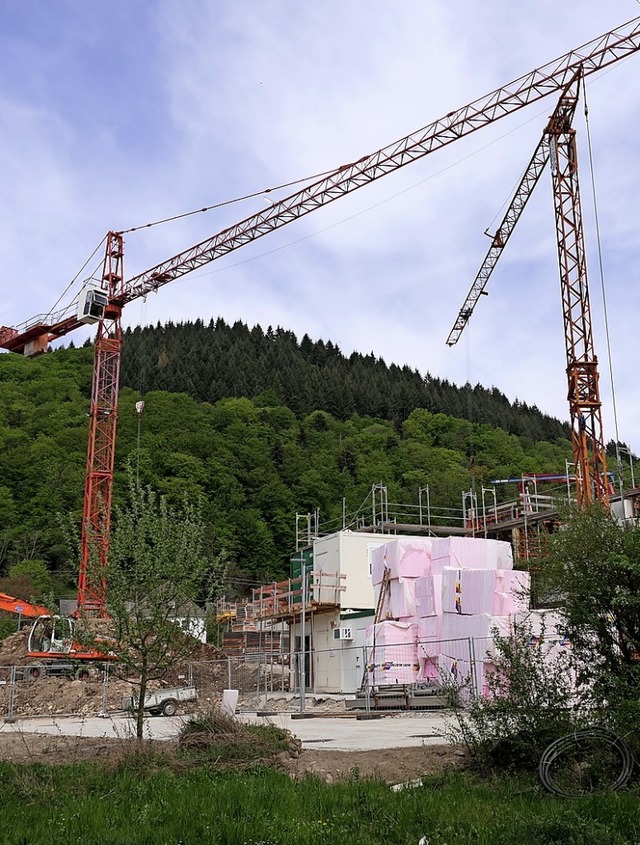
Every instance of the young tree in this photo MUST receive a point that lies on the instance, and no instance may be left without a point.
(594, 577)
(157, 568)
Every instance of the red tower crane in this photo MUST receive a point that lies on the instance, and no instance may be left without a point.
(558, 144)
(104, 304)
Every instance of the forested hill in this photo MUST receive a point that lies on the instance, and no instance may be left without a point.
(251, 460)
(210, 362)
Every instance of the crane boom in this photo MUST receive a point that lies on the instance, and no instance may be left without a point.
(554, 76)
(566, 107)
(502, 234)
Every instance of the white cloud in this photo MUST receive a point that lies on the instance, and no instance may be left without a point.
(205, 101)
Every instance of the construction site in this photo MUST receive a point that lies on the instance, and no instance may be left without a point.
(380, 607)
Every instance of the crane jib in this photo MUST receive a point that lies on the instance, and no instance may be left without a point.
(552, 77)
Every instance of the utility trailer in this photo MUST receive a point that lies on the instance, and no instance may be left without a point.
(162, 702)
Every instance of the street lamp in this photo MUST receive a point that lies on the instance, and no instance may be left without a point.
(630, 454)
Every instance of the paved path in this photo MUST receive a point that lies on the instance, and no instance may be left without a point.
(337, 734)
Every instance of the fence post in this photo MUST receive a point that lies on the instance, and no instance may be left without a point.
(105, 690)
(367, 691)
(229, 673)
(258, 678)
(9, 718)
(472, 662)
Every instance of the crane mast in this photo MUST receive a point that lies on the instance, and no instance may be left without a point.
(103, 417)
(558, 144)
(585, 405)
(32, 336)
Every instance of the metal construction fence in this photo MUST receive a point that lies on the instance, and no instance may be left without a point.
(333, 678)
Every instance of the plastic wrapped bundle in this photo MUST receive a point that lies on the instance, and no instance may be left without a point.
(429, 669)
(470, 553)
(428, 593)
(392, 653)
(471, 638)
(404, 558)
(468, 591)
(429, 636)
(512, 592)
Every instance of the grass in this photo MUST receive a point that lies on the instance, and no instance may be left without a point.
(140, 805)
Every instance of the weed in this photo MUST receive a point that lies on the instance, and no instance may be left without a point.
(220, 737)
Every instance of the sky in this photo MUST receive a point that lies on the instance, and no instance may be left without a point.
(115, 115)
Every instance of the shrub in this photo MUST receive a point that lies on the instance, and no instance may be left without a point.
(531, 701)
(222, 737)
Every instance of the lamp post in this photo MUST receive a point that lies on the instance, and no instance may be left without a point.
(630, 454)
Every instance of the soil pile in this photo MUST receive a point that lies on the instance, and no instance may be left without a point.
(13, 649)
(63, 696)
(393, 765)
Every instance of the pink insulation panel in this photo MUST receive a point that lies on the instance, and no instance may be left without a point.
(501, 592)
(429, 628)
(391, 633)
(458, 630)
(428, 593)
(429, 669)
(471, 553)
(467, 591)
(512, 591)
(400, 600)
(393, 655)
(404, 558)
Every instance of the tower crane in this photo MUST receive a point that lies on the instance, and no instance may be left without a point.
(558, 144)
(103, 303)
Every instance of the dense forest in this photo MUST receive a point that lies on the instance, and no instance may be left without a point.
(230, 417)
(217, 361)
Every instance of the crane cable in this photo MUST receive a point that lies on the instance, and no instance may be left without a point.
(227, 202)
(602, 286)
(75, 278)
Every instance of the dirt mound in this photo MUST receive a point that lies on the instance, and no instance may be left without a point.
(13, 649)
(64, 696)
(393, 765)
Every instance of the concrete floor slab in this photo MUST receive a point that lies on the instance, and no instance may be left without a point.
(334, 733)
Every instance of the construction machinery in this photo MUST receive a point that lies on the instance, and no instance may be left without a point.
(10, 604)
(52, 641)
(102, 302)
(558, 145)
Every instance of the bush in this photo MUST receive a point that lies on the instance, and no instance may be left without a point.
(8, 626)
(221, 737)
(531, 702)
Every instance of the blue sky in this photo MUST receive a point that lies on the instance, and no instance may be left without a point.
(117, 114)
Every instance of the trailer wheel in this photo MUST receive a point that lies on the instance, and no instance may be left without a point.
(169, 707)
(32, 673)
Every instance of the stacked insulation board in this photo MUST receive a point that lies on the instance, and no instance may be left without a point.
(445, 598)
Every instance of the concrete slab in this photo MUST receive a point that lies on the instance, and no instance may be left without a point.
(349, 734)
(337, 734)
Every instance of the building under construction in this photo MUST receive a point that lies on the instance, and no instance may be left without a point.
(322, 610)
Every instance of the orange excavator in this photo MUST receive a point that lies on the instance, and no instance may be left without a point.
(52, 641)
(23, 608)
(50, 638)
